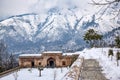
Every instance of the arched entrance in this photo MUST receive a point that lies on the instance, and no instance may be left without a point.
(51, 63)
(32, 64)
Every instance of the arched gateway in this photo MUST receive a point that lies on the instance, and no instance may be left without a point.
(47, 59)
(51, 62)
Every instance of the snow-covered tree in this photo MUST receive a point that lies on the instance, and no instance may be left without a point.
(40, 68)
(117, 41)
(110, 53)
(118, 57)
(92, 37)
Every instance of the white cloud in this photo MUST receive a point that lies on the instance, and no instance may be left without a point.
(17, 7)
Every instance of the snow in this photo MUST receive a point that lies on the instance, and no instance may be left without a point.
(33, 55)
(110, 68)
(52, 52)
(74, 70)
(69, 53)
(47, 74)
(24, 55)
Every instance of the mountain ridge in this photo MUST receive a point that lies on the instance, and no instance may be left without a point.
(55, 30)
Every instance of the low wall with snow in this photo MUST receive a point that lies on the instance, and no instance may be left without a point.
(74, 72)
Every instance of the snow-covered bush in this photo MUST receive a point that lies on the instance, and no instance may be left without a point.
(30, 70)
(110, 53)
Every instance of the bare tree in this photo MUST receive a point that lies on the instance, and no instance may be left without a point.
(104, 3)
(15, 75)
(40, 68)
(12, 61)
(61, 69)
(108, 4)
(55, 75)
(7, 61)
(3, 55)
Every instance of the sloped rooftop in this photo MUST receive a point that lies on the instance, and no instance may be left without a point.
(32, 55)
(52, 52)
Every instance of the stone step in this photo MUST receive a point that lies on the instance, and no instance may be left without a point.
(91, 70)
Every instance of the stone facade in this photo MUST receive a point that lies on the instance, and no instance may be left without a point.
(46, 59)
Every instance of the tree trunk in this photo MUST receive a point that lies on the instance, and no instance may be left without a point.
(39, 73)
(117, 63)
(111, 58)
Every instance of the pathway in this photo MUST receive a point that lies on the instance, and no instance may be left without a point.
(91, 70)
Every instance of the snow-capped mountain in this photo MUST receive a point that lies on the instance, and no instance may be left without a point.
(57, 29)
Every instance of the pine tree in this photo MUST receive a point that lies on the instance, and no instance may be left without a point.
(117, 41)
(110, 53)
(92, 37)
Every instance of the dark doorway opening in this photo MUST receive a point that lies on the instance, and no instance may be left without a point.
(51, 63)
(63, 63)
(32, 64)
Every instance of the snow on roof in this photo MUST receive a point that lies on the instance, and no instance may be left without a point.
(24, 55)
(69, 53)
(52, 52)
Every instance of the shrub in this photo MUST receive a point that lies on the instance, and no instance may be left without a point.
(110, 53)
(118, 56)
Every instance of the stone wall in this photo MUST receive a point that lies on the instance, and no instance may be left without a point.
(45, 60)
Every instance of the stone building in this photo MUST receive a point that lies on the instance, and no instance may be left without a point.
(47, 59)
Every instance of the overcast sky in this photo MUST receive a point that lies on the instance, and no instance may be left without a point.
(16, 7)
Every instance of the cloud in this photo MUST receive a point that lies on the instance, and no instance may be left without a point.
(45, 5)
(16, 7)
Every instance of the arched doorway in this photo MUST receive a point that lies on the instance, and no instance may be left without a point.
(32, 64)
(51, 63)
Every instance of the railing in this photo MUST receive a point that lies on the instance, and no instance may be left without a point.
(2, 74)
(75, 70)
(80, 68)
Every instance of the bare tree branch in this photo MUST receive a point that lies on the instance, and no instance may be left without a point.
(112, 5)
(107, 2)
(118, 12)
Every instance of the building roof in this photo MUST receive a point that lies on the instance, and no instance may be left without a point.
(52, 52)
(69, 53)
(32, 55)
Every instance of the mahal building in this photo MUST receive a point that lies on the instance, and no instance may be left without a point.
(47, 59)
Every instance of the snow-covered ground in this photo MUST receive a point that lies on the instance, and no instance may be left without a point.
(47, 74)
(110, 68)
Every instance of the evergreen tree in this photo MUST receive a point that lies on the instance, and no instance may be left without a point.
(117, 41)
(92, 37)
(118, 58)
(110, 53)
